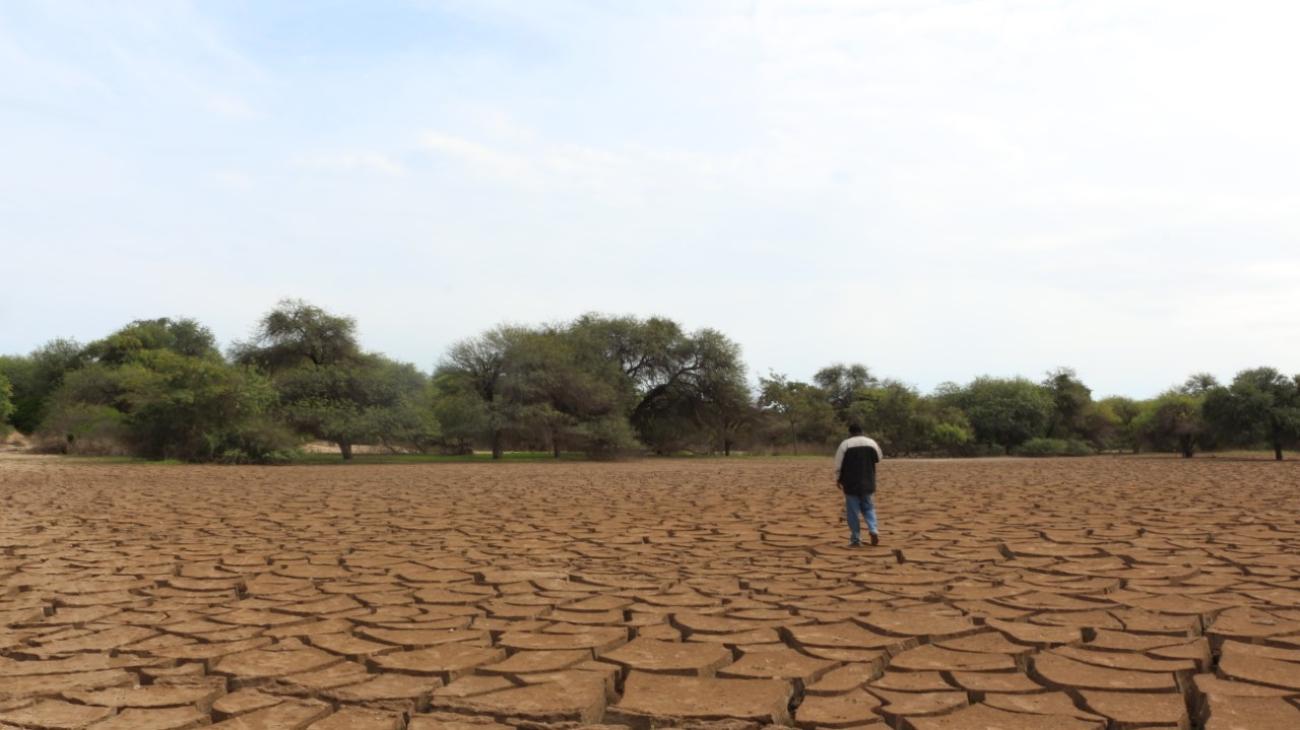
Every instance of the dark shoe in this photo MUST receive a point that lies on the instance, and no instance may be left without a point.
(854, 543)
(875, 539)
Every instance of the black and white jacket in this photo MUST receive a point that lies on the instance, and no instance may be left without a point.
(855, 465)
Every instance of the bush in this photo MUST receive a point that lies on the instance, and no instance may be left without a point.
(85, 429)
(607, 437)
(951, 438)
(1054, 447)
(1076, 447)
(1042, 447)
(6, 404)
(261, 441)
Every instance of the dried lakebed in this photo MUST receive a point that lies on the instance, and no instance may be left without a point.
(1011, 594)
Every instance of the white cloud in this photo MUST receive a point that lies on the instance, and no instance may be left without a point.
(230, 107)
(479, 157)
(348, 162)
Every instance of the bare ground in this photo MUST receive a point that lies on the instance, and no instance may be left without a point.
(1011, 594)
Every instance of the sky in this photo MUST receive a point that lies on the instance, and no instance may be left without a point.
(937, 189)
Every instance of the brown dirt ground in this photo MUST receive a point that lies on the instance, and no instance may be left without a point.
(1063, 594)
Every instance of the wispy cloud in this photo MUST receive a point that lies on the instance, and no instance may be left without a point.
(230, 107)
(348, 162)
(480, 158)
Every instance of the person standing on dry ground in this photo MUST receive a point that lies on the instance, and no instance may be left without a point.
(855, 473)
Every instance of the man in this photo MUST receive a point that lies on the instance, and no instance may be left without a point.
(855, 473)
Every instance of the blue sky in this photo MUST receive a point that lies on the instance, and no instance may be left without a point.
(936, 189)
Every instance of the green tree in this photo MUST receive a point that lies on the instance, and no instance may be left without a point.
(160, 389)
(666, 373)
(185, 337)
(296, 333)
(844, 384)
(1199, 384)
(6, 402)
(564, 395)
(1173, 422)
(331, 390)
(894, 414)
(367, 400)
(461, 415)
(726, 410)
(951, 432)
(1123, 414)
(1002, 411)
(1071, 400)
(481, 368)
(1261, 405)
(695, 397)
(802, 409)
(36, 376)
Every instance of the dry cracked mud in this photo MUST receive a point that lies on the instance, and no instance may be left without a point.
(1082, 594)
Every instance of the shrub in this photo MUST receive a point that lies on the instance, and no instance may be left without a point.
(951, 438)
(1076, 447)
(84, 428)
(260, 441)
(608, 437)
(1042, 447)
(1054, 447)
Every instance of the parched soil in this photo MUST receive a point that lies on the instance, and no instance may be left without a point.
(1013, 594)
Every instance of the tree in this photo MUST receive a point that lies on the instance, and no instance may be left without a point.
(462, 417)
(331, 390)
(159, 389)
(843, 384)
(1071, 400)
(1199, 384)
(6, 402)
(1261, 404)
(185, 337)
(1173, 422)
(1123, 414)
(666, 373)
(803, 409)
(950, 431)
(894, 414)
(726, 410)
(480, 367)
(1002, 411)
(296, 333)
(36, 376)
(366, 400)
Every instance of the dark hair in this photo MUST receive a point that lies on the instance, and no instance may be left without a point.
(855, 429)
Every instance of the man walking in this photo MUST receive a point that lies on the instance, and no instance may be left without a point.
(855, 473)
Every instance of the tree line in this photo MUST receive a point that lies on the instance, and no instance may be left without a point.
(597, 385)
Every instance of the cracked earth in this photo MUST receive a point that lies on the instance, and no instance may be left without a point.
(1085, 594)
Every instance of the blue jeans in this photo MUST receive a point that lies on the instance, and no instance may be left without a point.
(866, 504)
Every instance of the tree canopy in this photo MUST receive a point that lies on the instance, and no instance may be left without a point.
(600, 385)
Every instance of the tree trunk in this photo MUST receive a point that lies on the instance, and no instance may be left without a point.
(496, 445)
(726, 447)
(1186, 443)
(555, 445)
(345, 448)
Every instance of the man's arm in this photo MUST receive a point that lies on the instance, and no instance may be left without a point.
(839, 461)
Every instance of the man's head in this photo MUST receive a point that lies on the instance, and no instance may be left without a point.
(855, 429)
